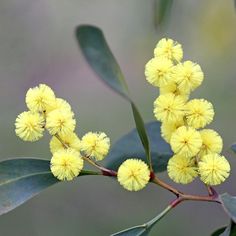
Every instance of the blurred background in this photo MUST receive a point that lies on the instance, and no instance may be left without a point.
(37, 45)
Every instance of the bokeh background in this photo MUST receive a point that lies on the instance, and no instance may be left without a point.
(37, 45)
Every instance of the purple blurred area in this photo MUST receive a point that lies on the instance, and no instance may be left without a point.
(37, 45)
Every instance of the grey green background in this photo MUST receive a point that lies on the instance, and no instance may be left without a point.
(37, 45)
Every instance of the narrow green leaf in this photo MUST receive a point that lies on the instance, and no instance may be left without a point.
(97, 53)
(162, 11)
(142, 133)
(100, 58)
(130, 146)
(139, 230)
(22, 179)
(143, 230)
(229, 205)
(229, 230)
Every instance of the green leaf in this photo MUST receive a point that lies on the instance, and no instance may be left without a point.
(21, 179)
(162, 11)
(98, 55)
(129, 146)
(140, 230)
(229, 205)
(230, 230)
(218, 232)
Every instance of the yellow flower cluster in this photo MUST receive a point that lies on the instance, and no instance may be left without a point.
(46, 111)
(196, 150)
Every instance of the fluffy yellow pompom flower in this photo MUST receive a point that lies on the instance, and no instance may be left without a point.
(213, 169)
(66, 164)
(199, 113)
(29, 126)
(60, 122)
(211, 142)
(133, 174)
(69, 140)
(188, 75)
(169, 49)
(167, 129)
(158, 71)
(169, 108)
(182, 169)
(186, 141)
(173, 88)
(40, 98)
(95, 145)
(60, 104)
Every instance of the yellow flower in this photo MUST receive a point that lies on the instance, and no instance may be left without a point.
(40, 98)
(186, 141)
(158, 71)
(188, 75)
(213, 169)
(199, 113)
(182, 169)
(167, 129)
(66, 164)
(133, 174)
(169, 49)
(95, 145)
(60, 104)
(173, 88)
(29, 126)
(69, 140)
(169, 108)
(211, 142)
(60, 122)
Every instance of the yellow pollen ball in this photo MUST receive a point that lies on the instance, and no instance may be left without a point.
(213, 169)
(186, 141)
(60, 104)
(182, 169)
(95, 145)
(29, 126)
(66, 164)
(69, 140)
(211, 142)
(167, 129)
(40, 98)
(158, 71)
(188, 75)
(199, 113)
(169, 108)
(60, 122)
(169, 49)
(133, 174)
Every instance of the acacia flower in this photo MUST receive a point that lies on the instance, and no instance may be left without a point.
(95, 145)
(172, 87)
(188, 75)
(133, 174)
(158, 71)
(169, 49)
(199, 113)
(182, 169)
(69, 140)
(40, 98)
(60, 104)
(29, 126)
(66, 164)
(211, 142)
(213, 169)
(60, 122)
(167, 129)
(186, 141)
(169, 108)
